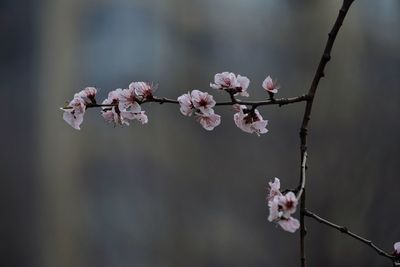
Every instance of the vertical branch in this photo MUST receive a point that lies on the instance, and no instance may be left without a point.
(326, 56)
(302, 196)
(303, 230)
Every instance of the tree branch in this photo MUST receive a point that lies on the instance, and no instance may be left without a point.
(254, 104)
(326, 56)
(345, 230)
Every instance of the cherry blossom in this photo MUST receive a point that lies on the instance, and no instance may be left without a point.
(270, 85)
(274, 189)
(124, 107)
(186, 105)
(88, 95)
(251, 121)
(201, 104)
(143, 90)
(112, 114)
(224, 80)
(73, 114)
(202, 101)
(208, 120)
(290, 224)
(127, 99)
(196, 100)
(229, 81)
(274, 212)
(139, 116)
(281, 207)
(288, 203)
(243, 84)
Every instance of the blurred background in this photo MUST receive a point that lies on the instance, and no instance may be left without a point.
(170, 193)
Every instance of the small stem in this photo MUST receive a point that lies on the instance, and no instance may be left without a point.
(345, 230)
(302, 176)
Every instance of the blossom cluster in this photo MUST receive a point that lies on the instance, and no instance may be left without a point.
(124, 105)
(201, 104)
(250, 121)
(282, 206)
(120, 107)
(73, 114)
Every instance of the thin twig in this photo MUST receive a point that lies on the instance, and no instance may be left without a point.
(301, 188)
(326, 56)
(345, 230)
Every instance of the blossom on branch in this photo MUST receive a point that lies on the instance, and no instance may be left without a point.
(229, 82)
(274, 189)
(186, 104)
(201, 104)
(271, 86)
(209, 120)
(73, 114)
(123, 106)
(289, 224)
(125, 98)
(88, 95)
(112, 113)
(281, 207)
(143, 90)
(250, 121)
(202, 101)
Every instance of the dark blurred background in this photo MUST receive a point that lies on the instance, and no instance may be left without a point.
(170, 193)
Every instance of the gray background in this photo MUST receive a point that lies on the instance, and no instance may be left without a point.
(170, 193)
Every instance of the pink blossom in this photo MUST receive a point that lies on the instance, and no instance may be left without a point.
(73, 114)
(281, 214)
(128, 105)
(202, 101)
(397, 249)
(186, 105)
(208, 120)
(270, 85)
(251, 122)
(229, 81)
(127, 99)
(112, 114)
(88, 94)
(139, 116)
(243, 84)
(274, 189)
(290, 224)
(288, 204)
(123, 107)
(224, 80)
(143, 90)
(281, 207)
(274, 210)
